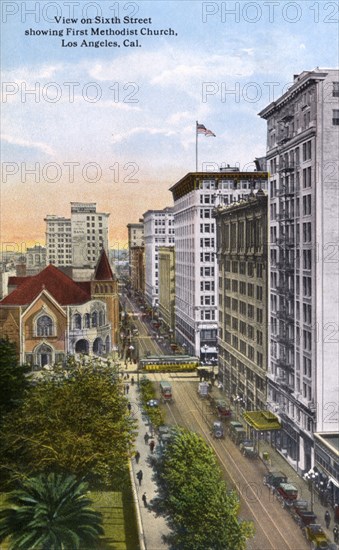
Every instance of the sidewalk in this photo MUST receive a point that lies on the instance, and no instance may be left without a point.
(153, 527)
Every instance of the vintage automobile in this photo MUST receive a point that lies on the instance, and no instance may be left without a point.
(238, 433)
(301, 514)
(273, 479)
(247, 447)
(218, 430)
(286, 493)
(223, 411)
(315, 534)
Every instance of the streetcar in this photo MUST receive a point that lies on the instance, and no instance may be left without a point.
(168, 363)
(166, 392)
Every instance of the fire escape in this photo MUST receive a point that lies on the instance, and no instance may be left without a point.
(285, 243)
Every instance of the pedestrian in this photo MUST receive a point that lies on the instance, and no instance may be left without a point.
(144, 500)
(127, 388)
(327, 519)
(137, 457)
(132, 381)
(336, 534)
(129, 406)
(127, 376)
(139, 477)
(146, 438)
(152, 445)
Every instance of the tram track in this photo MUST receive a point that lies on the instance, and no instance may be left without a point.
(269, 535)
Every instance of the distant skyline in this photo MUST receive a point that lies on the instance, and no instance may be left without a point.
(116, 125)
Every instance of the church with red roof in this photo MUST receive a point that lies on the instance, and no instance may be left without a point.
(50, 316)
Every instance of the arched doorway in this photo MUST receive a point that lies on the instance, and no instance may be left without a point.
(98, 346)
(44, 355)
(82, 346)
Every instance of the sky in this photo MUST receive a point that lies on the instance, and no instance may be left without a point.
(115, 124)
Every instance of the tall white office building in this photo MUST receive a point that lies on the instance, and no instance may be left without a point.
(158, 232)
(196, 292)
(302, 157)
(77, 241)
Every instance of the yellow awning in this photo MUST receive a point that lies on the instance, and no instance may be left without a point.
(262, 421)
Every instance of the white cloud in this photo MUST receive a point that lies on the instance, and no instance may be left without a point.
(26, 143)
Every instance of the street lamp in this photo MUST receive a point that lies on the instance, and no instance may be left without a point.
(311, 477)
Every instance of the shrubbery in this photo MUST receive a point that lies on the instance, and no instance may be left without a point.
(147, 392)
(201, 513)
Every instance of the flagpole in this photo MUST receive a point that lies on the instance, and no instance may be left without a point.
(196, 146)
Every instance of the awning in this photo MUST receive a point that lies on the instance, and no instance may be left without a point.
(210, 349)
(262, 421)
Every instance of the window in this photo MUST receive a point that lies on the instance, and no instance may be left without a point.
(307, 205)
(335, 92)
(335, 118)
(307, 259)
(250, 331)
(307, 232)
(242, 307)
(44, 326)
(250, 311)
(307, 149)
(259, 293)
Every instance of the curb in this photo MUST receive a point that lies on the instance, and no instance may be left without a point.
(141, 533)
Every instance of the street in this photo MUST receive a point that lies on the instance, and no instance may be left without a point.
(275, 528)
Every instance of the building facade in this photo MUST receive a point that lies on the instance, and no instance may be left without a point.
(158, 231)
(136, 247)
(195, 196)
(302, 155)
(49, 315)
(167, 286)
(77, 241)
(242, 255)
(35, 259)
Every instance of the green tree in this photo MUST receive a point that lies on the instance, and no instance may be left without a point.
(50, 512)
(13, 381)
(201, 512)
(77, 422)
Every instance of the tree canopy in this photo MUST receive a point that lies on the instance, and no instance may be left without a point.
(201, 512)
(76, 420)
(51, 512)
(13, 382)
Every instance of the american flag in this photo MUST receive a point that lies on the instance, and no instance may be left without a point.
(201, 129)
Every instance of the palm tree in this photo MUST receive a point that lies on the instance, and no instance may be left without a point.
(50, 512)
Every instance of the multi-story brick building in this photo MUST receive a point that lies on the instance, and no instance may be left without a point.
(136, 248)
(241, 231)
(167, 286)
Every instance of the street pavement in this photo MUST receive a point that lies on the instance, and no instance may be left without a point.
(278, 463)
(152, 527)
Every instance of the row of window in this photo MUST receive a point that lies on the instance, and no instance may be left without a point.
(244, 268)
(246, 289)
